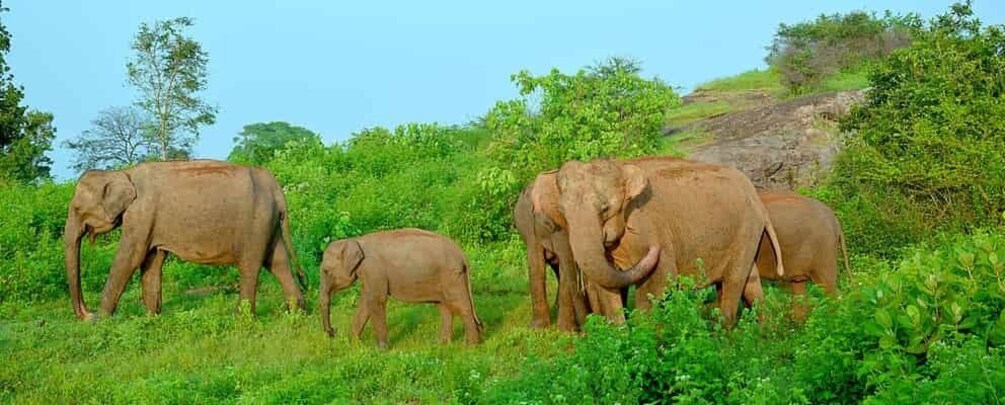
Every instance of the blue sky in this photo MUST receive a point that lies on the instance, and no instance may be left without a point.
(337, 67)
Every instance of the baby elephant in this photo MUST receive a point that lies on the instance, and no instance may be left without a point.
(411, 265)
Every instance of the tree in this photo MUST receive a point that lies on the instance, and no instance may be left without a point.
(169, 69)
(605, 110)
(256, 143)
(119, 136)
(25, 134)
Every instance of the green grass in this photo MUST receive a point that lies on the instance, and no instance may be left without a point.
(197, 350)
(689, 113)
(766, 80)
(849, 80)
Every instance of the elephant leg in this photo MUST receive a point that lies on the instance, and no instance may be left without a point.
(249, 285)
(799, 304)
(654, 287)
(472, 330)
(360, 319)
(378, 312)
(826, 279)
(571, 308)
(446, 323)
(151, 275)
(133, 249)
(540, 318)
(279, 265)
(753, 293)
(608, 303)
(733, 285)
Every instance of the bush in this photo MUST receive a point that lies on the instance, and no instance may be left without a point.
(926, 147)
(807, 53)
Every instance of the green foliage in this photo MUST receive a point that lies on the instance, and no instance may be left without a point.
(257, 143)
(169, 70)
(926, 153)
(807, 53)
(906, 334)
(119, 136)
(607, 110)
(25, 135)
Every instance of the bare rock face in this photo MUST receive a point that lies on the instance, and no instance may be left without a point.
(783, 145)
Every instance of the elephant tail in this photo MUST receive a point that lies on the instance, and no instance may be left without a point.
(773, 238)
(471, 296)
(287, 240)
(844, 251)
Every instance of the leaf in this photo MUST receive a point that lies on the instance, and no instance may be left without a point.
(883, 318)
(966, 259)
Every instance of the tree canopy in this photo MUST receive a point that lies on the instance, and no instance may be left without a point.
(169, 70)
(257, 143)
(25, 134)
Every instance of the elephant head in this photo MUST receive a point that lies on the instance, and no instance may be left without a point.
(593, 199)
(99, 200)
(338, 271)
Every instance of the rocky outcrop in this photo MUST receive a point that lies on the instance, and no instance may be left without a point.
(787, 145)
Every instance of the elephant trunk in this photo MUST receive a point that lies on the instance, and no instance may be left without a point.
(325, 302)
(73, 233)
(587, 241)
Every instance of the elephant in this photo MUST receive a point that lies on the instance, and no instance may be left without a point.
(704, 219)
(810, 235)
(202, 211)
(411, 265)
(542, 228)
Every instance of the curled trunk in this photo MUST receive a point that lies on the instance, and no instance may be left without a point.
(587, 242)
(73, 233)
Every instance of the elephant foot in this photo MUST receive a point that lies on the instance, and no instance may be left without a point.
(539, 323)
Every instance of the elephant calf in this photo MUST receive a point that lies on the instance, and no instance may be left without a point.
(411, 265)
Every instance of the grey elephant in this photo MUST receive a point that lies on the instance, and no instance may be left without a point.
(705, 220)
(543, 229)
(202, 211)
(411, 265)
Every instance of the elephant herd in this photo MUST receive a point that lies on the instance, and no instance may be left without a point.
(602, 226)
(659, 217)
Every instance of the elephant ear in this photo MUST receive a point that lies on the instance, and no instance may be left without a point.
(117, 193)
(635, 181)
(352, 256)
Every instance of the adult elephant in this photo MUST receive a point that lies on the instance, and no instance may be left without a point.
(810, 236)
(543, 229)
(703, 219)
(203, 211)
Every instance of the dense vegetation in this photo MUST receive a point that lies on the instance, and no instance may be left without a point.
(918, 189)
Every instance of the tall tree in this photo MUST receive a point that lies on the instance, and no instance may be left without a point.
(169, 70)
(258, 142)
(25, 135)
(119, 136)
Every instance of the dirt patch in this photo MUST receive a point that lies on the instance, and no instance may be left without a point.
(781, 145)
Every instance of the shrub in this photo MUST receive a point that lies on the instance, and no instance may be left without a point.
(806, 53)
